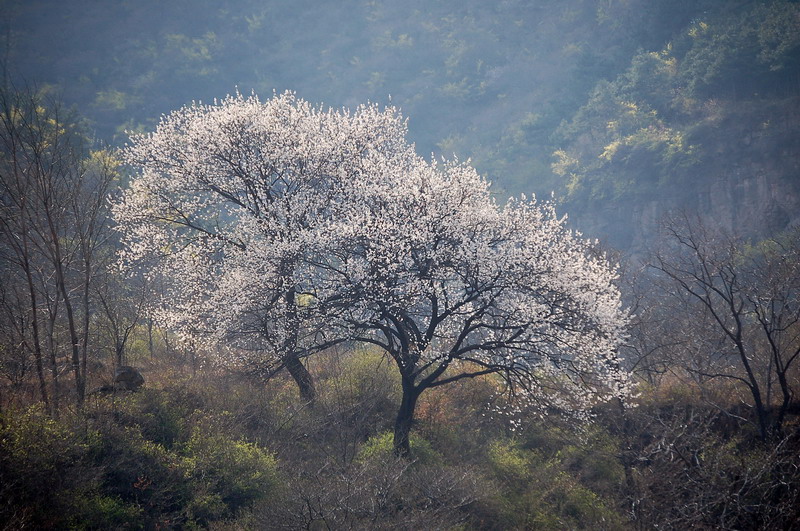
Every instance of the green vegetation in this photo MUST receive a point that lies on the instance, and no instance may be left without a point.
(487, 81)
(604, 103)
(718, 102)
(227, 452)
(112, 466)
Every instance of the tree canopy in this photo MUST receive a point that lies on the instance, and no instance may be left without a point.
(278, 228)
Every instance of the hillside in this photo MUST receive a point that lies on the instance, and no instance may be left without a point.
(689, 92)
(710, 123)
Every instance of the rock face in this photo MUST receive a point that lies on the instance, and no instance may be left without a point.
(754, 201)
(754, 204)
(128, 378)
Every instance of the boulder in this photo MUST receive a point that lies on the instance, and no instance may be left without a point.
(128, 378)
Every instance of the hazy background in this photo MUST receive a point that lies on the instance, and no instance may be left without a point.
(624, 109)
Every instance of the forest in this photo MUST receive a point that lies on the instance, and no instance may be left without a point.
(526, 264)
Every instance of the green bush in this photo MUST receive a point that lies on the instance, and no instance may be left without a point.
(381, 448)
(538, 492)
(39, 457)
(595, 460)
(99, 511)
(141, 472)
(143, 460)
(162, 415)
(226, 475)
(510, 463)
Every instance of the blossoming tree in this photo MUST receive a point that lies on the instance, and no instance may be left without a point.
(453, 287)
(230, 200)
(279, 228)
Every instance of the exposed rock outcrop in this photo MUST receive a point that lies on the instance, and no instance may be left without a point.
(128, 378)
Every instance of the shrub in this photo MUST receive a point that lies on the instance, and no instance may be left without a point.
(226, 475)
(538, 492)
(162, 415)
(99, 511)
(39, 457)
(138, 471)
(381, 448)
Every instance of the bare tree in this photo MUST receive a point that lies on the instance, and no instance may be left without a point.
(16, 362)
(54, 220)
(743, 302)
(20, 213)
(122, 302)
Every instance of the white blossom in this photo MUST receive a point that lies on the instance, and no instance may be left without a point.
(278, 226)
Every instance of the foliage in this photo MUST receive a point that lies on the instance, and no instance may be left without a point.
(229, 475)
(464, 67)
(36, 453)
(671, 461)
(540, 492)
(99, 511)
(381, 447)
(710, 102)
(669, 103)
(63, 473)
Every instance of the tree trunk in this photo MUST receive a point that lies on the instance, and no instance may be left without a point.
(51, 347)
(37, 345)
(290, 356)
(85, 324)
(302, 377)
(405, 418)
(150, 345)
(119, 352)
(59, 263)
(80, 384)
